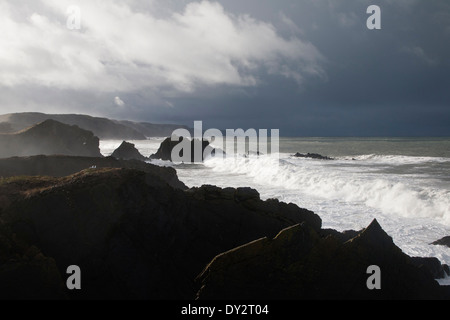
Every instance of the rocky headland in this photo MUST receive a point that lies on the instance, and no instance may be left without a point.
(50, 137)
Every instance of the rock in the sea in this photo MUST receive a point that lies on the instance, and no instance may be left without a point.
(128, 151)
(300, 264)
(445, 241)
(312, 156)
(50, 137)
(165, 150)
(433, 265)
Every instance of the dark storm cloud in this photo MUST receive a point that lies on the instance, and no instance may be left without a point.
(306, 67)
(391, 81)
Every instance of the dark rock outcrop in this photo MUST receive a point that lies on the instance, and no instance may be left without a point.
(165, 149)
(312, 156)
(300, 264)
(60, 166)
(50, 137)
(445, 241)
(433, 265)
(132, 234)
(127, 151)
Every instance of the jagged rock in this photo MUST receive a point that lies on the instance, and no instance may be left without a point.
(5, 127)
(312, 156)
(165, 150)
(445, 241)
(132, 234)
(433, 265)
(48, 138)
(300, 264)
(244, 194)
(127, 151)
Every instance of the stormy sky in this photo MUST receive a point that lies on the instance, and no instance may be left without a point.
(306, 67)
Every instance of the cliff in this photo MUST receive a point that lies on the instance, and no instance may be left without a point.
(50, 137)
(301, 263)
(133, 235)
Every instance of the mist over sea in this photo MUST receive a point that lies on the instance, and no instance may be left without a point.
(402, 182)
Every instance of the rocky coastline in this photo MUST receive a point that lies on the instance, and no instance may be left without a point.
(135, 231)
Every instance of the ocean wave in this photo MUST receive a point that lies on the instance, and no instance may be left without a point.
(392, 194)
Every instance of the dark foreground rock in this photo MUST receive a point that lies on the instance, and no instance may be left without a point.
(50, 137)
(60, 166)
(133, 235)
(165, 150)
(433, 265)
(299, 263)
(312, 156)
(127, 151)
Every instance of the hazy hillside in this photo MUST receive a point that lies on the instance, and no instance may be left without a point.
(47, 138)
(101, 127)
(153, 129)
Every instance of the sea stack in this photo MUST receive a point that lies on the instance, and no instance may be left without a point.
(128, 151)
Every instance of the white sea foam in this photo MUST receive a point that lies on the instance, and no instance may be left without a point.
(392, 194)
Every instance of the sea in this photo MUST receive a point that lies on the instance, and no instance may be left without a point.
(404, 183)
